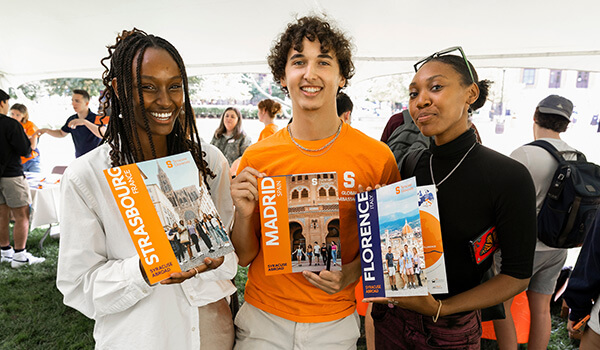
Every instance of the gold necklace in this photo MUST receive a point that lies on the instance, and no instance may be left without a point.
(326, 147)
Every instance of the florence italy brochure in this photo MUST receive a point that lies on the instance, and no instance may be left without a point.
(400, 241)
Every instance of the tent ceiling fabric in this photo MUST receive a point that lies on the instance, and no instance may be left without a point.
(67, 38)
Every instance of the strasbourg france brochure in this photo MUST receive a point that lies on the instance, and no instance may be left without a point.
(169, 214)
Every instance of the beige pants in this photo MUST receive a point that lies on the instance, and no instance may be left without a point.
(257, 329)
(216, 326)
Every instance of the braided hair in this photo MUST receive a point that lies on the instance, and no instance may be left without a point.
(122, 133)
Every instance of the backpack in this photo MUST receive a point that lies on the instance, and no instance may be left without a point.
(405, 138)
(572, 201)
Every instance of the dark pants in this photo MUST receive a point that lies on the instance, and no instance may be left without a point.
(397, 328)
(176, 246)
(195, 242)
(206, 240)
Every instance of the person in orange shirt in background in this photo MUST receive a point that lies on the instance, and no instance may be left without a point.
(31, 162)
(267, 111)
(312, 62)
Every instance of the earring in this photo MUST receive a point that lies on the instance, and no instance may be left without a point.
(120, 116)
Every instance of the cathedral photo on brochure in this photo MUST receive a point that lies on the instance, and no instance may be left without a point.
(186, 211)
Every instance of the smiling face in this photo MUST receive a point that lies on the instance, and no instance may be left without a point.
(17, 115)
(312, 77)
(230, 120)
(439, 103)
(162, 91)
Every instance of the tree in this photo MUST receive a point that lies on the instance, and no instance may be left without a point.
(227, 88)
(61, 87)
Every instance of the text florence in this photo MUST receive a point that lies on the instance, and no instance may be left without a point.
(365, 236)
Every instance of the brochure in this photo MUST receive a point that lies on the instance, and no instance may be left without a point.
(169, 213)
(300, 222)
(401, 247)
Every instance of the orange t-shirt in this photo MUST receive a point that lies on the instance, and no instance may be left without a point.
(30, 129)
(357, 159)
(268, 131)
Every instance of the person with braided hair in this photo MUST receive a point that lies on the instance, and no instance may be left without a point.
(99, 272)
(267, 111)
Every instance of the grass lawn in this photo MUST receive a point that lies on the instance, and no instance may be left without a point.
(32, 315)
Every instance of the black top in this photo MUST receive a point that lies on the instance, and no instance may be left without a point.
(487, 189)
(14, 143)
(390, 259)
(83, 138)
(584, 282)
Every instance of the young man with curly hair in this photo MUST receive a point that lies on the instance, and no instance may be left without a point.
(312, 62)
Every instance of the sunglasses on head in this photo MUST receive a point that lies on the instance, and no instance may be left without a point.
(422, 61)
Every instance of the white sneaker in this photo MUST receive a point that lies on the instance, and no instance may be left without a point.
(7, 255)
(24, 258)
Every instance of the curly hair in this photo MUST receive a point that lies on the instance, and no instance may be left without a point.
(312, 28)
(553, 122)
(122, 134)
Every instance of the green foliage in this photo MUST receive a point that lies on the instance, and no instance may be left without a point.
(559, 336)
(240, 282)
(61, 87)
(65, 86)
(268, 86)
(32, 314)
(248, 112)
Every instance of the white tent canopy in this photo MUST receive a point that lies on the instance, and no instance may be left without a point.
(66, 38)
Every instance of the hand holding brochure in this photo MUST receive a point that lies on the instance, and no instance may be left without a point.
(169, 214)
(300, 221)
(401, 247)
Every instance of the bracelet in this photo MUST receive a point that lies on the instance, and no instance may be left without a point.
(435, 319)
(196, 271)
